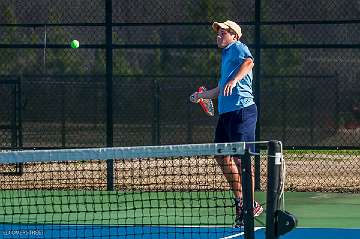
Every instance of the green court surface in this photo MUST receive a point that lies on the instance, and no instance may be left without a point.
(320, 210)
(324, 210)
(116, 208)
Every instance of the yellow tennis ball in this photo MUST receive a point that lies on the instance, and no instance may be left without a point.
(74, 44)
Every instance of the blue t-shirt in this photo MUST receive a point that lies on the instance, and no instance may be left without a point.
(242, 95)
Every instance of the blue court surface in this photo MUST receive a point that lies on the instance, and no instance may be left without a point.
(137, 232)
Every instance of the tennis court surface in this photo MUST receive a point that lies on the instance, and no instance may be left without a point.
(98, 231)
(174, 191)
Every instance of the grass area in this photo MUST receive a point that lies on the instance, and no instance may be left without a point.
(329, 152)
(309, 154)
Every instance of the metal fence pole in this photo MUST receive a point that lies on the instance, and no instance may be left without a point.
(109, 92)
(257, 90)
(156, 121)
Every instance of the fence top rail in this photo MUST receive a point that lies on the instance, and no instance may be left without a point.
(124, 24)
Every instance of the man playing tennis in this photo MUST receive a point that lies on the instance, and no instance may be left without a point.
(236, 106)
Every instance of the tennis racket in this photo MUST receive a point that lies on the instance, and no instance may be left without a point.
(206, 104)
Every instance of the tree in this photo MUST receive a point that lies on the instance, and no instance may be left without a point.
(8, 34)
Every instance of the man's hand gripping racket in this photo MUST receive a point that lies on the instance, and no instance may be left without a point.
(206, 104)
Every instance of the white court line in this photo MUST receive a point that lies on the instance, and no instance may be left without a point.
(240, 234)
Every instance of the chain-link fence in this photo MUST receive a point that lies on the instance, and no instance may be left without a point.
(10, 125)
(316, 170)
(138, 62)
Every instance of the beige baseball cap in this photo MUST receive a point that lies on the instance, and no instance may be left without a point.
(227, 25)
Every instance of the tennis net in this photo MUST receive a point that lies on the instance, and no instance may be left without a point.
(124, 192)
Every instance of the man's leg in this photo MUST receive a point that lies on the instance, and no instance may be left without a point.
(238, 165)
(243, 125)
(231, 174)
(258, 209)
(233, 177)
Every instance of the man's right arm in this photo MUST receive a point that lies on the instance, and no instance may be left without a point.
(210, 94)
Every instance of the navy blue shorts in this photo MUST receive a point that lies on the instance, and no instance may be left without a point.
(237, 126)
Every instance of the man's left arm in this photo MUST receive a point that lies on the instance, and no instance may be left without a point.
(245, 68)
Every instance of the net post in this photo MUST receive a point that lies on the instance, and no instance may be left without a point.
(273, 183)
(246, 180)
